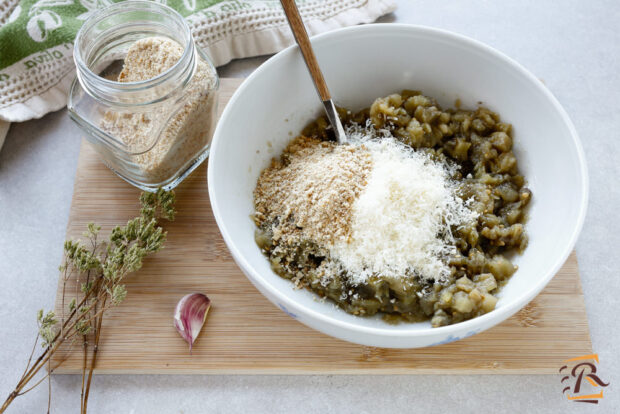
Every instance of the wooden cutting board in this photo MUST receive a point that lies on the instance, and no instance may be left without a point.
(246, 334)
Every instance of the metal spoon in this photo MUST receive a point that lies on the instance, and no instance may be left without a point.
(301, 36)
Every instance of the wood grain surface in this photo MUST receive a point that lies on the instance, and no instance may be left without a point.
(246, 334)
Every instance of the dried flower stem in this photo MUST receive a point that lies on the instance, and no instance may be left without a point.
(34, 386)
(85, 355)
(49, 386)
(101, 267)
(39, 363)
(93, 359)
(34, 346)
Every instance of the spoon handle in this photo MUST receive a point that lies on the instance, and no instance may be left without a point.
(301, 36)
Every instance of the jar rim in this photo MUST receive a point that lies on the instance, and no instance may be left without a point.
(96, 83)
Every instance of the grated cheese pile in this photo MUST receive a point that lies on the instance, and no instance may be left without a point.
(401, 221)
(376, 206)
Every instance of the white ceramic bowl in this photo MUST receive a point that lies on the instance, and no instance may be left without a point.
(360, 64)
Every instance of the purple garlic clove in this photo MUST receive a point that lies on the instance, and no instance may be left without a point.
(189, 316)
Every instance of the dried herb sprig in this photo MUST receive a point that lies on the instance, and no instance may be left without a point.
(97, 268)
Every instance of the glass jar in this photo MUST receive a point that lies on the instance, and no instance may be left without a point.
(152, 132)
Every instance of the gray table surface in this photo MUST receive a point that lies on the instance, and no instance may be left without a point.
(573, 45)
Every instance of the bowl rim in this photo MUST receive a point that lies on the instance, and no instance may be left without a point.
(476, 324)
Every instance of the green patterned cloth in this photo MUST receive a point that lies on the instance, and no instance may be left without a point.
(36, 39)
